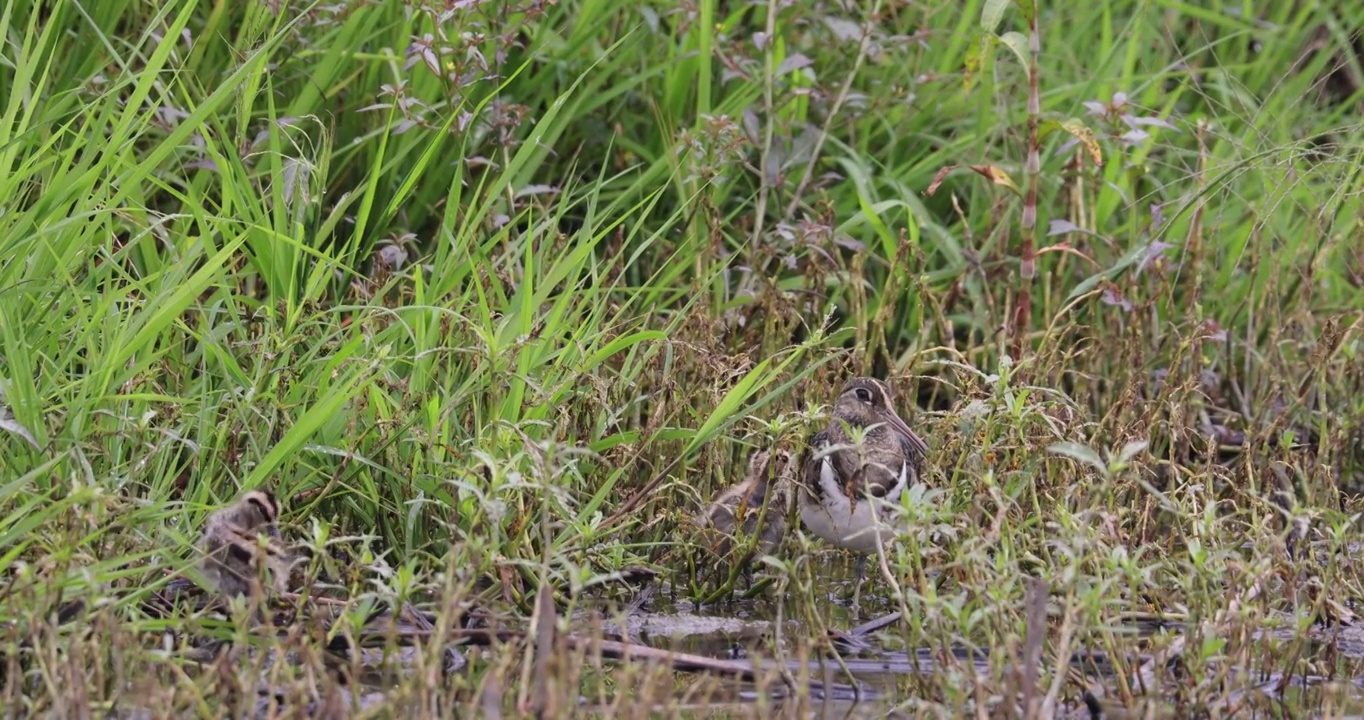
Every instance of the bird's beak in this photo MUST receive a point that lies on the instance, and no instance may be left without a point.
(902, 427)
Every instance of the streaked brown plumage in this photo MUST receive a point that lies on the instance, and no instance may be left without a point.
(241, 539)
(844, 479)
(757, 505)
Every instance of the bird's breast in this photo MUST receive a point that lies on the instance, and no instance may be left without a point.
(836, 518)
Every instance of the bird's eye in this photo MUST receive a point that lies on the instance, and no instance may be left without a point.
(863, 394)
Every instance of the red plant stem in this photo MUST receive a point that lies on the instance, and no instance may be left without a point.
(1032, 168)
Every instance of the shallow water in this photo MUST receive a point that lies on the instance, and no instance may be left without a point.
(874, 680)
(878, 681)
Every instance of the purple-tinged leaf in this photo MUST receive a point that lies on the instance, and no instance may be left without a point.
(1111, 296)
(1096, 108)
(391, 256)
(1152, 121)
(403, 126)
(760, 40)
(752, 126)
(1154, 250)
(849, 243)
(1214, 331)
(1157, 215)
(1061, 226)
(1119, 191)
(171, 116)
(477, 56)
(843, 29)
(793, 62)
(432, 60)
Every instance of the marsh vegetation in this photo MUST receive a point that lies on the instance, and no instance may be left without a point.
(496, 296)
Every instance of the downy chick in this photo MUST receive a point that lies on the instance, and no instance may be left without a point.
(756, 506)
(239, 540)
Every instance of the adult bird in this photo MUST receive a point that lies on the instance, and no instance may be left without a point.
(865, 457)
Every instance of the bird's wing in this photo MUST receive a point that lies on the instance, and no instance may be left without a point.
(811, 461)
(914, 449)
(914, 446)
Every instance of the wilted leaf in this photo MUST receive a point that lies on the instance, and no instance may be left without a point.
(989, 172)
(1079, 453)
(996, 176)
(1077, 129)
(1065, 248)
(937, 179)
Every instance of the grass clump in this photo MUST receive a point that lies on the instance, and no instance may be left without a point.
(496, 296)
